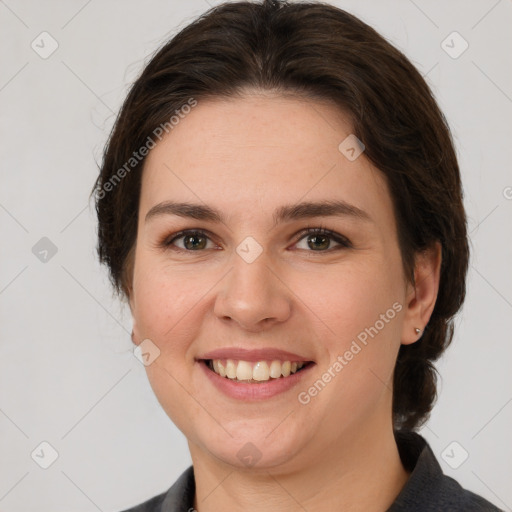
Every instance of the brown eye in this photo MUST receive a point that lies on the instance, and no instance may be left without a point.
(191, 241)
(318, 242)
(320, 239)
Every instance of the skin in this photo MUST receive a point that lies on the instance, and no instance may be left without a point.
(246, 157)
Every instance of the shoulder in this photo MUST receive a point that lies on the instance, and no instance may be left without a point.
(428, 488)
(179, 497)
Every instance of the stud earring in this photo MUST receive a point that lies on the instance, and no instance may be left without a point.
(417, 330)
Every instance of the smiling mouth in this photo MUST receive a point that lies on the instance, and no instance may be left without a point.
(255, 372)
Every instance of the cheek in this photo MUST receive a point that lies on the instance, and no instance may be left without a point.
(166, 299)
(180, 401)
(360, 310)
(167, 304)
(348, 299)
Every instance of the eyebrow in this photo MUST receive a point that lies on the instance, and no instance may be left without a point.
(305, 210)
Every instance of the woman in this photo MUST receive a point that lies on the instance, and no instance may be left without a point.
(280, 203)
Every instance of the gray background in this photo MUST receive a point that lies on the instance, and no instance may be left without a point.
(67, 372)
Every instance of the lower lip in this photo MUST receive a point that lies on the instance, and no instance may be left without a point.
(254, 391)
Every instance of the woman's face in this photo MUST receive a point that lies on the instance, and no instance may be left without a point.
(256, 283)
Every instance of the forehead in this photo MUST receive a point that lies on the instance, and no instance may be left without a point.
(255, 153)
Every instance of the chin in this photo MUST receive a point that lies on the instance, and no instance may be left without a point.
(253, 448)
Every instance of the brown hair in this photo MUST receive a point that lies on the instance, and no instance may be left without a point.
(322, 52)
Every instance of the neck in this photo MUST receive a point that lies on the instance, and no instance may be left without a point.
(362, 472)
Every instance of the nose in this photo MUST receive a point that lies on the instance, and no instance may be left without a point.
(253, 295)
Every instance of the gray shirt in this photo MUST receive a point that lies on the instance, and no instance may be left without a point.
(427, 490)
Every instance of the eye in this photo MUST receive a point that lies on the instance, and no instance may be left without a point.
(193, 240)
(319, 239)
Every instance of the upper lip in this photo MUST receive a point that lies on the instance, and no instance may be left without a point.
(254, 355)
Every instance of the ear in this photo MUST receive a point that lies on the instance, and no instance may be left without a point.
(422, 295)
(135, 335)
(130, 299)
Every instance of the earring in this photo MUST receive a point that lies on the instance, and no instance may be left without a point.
(417, 330)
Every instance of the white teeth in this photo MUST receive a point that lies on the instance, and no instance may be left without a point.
(230, 369)
(244, 371)
(221, 369)
(260, 371)
(275, 369)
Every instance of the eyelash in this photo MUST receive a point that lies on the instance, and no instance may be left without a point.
(343, 241)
